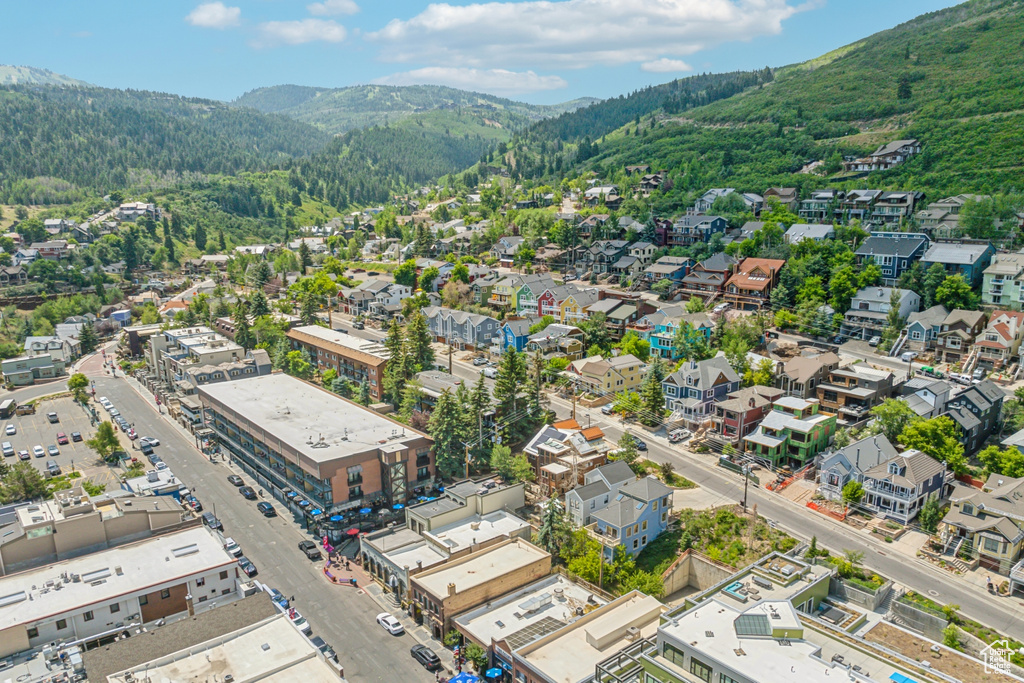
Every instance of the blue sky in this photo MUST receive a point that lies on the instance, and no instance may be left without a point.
(531, 50)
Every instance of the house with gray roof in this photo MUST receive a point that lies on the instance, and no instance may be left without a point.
(869, 310)
(892, 252)
(976, 411)
(926, 397)
(957, 334)
(600, 486)
(798, 232)
(923, 327)
(968, 258)
(691, 391)
(898, 488)
(636, 515)
(987, 523)
(839, 467)
(465, 330)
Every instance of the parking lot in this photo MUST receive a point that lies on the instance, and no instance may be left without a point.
(36, 430)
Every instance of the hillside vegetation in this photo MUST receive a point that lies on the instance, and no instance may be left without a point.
(30, 75)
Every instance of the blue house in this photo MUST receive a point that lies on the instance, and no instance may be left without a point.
(659, 329)
(515, 334)
(969, 258)
(691, 391)
(892, 252)
(638, 515)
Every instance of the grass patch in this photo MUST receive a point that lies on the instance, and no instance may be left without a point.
(674, 480)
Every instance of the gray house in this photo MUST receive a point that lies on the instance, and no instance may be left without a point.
(464, 330)
(838, 468)
(600, 488)
(923, 327)
(869, 310)
(892, 252)
(691, 391)
(899, 488)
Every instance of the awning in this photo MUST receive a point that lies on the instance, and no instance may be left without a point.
(895, 677)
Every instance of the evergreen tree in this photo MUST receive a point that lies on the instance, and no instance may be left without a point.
(446, 428)
(221, 242)
(423, 240)
(280, 354)
(418, 340)
(554, 527)
(259, 306)
(87, 338)
(508, 388)
(363, 397)
(479, 404)
(653, 397)
(308, 309)
(305, 257)
(169, 243)
(243, 331)
(199, 237)
(129, 251)
(411, 395)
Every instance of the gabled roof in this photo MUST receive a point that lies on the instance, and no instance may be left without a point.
(756, 273)
(802, 368)
(720, 262)
(969, 318)
(932, 317)
(893, 147)
(616, 472)
(885, 245)
(589, 491)
(867, 452)
(917, 468)
(646, 489)
(706, 373)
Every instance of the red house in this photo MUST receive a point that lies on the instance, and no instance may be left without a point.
(740, 413)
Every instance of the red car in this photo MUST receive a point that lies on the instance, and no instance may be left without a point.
(62, 438)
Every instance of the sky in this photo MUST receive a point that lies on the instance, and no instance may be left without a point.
(539, 51)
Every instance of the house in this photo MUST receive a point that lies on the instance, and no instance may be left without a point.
(787, 197)
(673, 268)
(986, 524)
(885, 157)
(59, 349)
(793, 433)
(1001, 282)
(514, 335)
(592, 225)
(800, 376)
(129, 211)
(620, 316)
(659, 329)
(895, 208)
(638, 168)
(603, 254)
(601, 194)
(707, 279)
(503, 291)
(853, 390)
(857, 204)
(741, 411)
(923, 327)
(54, 250)
(607, 377)
(957, 334)
(576, 306)
(642, 252)
(530, 289)
(549, 302)
(870, 307)
(691, 391)
(505, 249)
(27, 369)
(943, 217)
(13, 275)
(634, 518)
(386, 295)
(600, 487)
(821, 206)
(692, 228)
(969, 258)
(976, 411)
(839, 467)
(752, 283)
(705, 201)
(892, 252)
(25, 256)
(550, 255)
(999, 343)
(467, 331)
(564, 341)
(651, 183)
(799, 232)
(899, 488)
(563, 455)
(926, 397)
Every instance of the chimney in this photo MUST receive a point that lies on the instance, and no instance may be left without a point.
(451, 589)
(419, 564)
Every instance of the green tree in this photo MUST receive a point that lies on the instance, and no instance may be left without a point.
(643, 581)
(477, 655)
(762, 375)
(627, 451)
(633, 344)
(279, 355)
(298, 365)
(105, 442)
(933, 278)
(446, 428)
(843, 287)
(243, 331)
(23, 482)
(853, 493)
(1008, 462)
(418, 343)
(695, 305)
(554, 527)
(653, 397)
(595, 332)
(199, 237)
(956, 292)
(930, 515)
(460, 273)
(892, 416)
(77, 384)
(308, 309)
(87, 338)
(509, 386)
(513, 468)
(690, 343)
(950, 634)
(894, 322)
(305, 257)
(259, 306)
(427, 278)
(938, 438)
(479, 404)
(412, 394)
(870, 276)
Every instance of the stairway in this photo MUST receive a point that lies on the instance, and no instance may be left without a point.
(900, 341)
(884, 606)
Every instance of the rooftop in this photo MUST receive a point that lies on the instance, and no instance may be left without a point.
(777, 578)
(315, 333)
(477, 529)
(33, 595)
(320, 425)
(479, 568)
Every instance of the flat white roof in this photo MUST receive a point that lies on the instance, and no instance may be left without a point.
(143, 565)
(477, 529)
(527, 614)
(271, 650)
(368, 346)
(413, 554)
(481, 567)
(304, 416)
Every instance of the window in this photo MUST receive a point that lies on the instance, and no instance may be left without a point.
(655, 507)
(644, 525)
(165, 593)
(643, 539)
(144, 600)
(201, 581)
(635, 544)
(593, 503)
(88, 616)
(223, 575)
(991, 545)
(722, 678)
(674, 655)
(62, 624)
(115, 608)
(700, 669)
(33, 632)
(968, 509)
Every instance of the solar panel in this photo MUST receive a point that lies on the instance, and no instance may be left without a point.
(534, 631)
(752, 625)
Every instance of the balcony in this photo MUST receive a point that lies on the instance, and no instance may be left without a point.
(355, 495)
(356, 480)
(422, 461)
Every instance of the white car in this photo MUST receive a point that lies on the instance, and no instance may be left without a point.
(390, 624)
(38, 451)
(232, 547)
(491, 373)
(299, 622)
(11, 430)
(149, 441)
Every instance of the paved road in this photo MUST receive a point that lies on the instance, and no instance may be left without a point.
(342, 616)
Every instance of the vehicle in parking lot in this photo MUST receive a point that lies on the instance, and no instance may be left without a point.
(875, 341)
(52, 468)
(23, 454)
(232, 547)
(235, 480)
(247, 567)
(10, 430)
(52, 417)
(479, 360)
(390, 624)
(310, 549)
(267, 509)
(62, 438)
(8, 449)
(38, 451)
(425, 656)
(247, 492)
(299, 622)
(25, 409)
(979, 374)
(211, 521)
(149, 441)
(52, 450)
(76, 436)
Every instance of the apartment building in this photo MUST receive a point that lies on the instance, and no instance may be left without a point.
(852, 390)
(792, 433)
(353, 358)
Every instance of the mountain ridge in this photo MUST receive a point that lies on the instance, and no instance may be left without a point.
(31, 75)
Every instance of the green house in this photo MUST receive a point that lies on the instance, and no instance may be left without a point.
(792, 433)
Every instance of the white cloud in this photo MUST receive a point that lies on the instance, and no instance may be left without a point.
(332, 7)
(273, 33)
(665, 66)
(575, 33)
(214, 15)
(494, 81)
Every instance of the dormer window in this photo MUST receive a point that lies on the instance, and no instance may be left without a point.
(967, 509)
(894, 468)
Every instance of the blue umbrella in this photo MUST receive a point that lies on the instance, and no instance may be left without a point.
(493, 673)
(399, 506)
(365, 511)
(303, 503)
(465, 677)
(317, 512)
(336, 518)
(292, 494)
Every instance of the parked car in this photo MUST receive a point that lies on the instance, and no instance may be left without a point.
(149, 441)
(607, 409)
(211, 521)
(247, 567)
(299, 622)
(838, 339)
(908, 356)
(310, 549)
(52, 468)
(11, 430)
(324, 648)
(641, 445)
(53, 450)
(278, 597)
(52, 417)
(425, 656)
(266, 508)
(979, 374)
(358, 325)
(62, 438)
(490, 372)
(677, 435)
(8, 449)
(38, 451)
(390, 624)
(193, 502)
(247, 492)
(874, 341)
(479, 360)
(76, 436)
(235, 480)
(23, 454)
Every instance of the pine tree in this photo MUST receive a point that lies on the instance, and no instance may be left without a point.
(129, 250)
(221, 243)
(446, 428)
(423, 240)
(653, 397)
(259, 304)
(305, 257)
(308, 309)
(243, 331)
(199, 237)
(508, 387)
(169, 243)
(479, 404)
(87, 338)
(363, 398)
(280, 354)
(411, 395)
(554, 527)
(418, 340)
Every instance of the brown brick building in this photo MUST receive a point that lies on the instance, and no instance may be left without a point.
(360, 360)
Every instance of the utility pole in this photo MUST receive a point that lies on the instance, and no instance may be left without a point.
(574, 401)
(746, 480)
(466, 444)
(449, 358)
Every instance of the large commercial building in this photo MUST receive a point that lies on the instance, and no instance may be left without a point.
(312, 448)
(353, 358)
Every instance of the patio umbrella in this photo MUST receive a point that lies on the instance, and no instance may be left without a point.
(398, 506)
(464, 677)
(365, 511)
(316, 512)
(353, 532)
(336, 518)
(303, 503)
(493, 673)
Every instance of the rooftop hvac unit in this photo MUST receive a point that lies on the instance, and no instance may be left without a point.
(632, 633)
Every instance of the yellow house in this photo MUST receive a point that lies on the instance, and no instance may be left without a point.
(574, 307)
(982, 523)
(608, 376)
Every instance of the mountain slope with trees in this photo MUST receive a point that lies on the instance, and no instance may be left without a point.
(30, 75)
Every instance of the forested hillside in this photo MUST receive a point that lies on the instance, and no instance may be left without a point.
(30, 75)
(951, 78)
(60, 143)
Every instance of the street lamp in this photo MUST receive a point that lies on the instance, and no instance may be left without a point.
(746, 481)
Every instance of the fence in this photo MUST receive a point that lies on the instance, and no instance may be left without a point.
(799, 474)
(922, 619)
(825, 511)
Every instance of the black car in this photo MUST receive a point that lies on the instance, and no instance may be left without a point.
(267, 509)
(310, 549)
(838, 339)
(247, 492)
(640, 445)
(235, 480)
(247, 567)
(211, 521)
(358, 325)
(425, 656)
(76, 436)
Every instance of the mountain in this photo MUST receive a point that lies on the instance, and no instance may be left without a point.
(950, 78)
(30, 75)
(338, 110)
(59, 141)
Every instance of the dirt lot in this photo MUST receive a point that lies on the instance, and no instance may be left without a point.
(920, 649)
